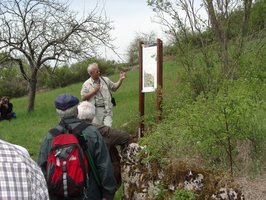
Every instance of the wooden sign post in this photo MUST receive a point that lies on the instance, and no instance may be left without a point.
(150, 78)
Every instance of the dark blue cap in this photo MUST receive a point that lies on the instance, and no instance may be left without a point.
(65, 101)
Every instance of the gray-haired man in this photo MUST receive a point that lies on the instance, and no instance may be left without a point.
(112, 137)
(97, 91)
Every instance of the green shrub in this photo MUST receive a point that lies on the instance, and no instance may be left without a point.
(215, 124)
(181, 194)
(11, 83)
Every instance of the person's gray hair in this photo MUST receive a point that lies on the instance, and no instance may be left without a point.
(91, 67)
(86, 111)
(70, 112)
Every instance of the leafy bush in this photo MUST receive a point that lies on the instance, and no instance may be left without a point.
(258, 16)
(214, 124)
(179, 194)
(66, 75)
(13, 88)
(182, 194)
(159, 192)
(11, 83)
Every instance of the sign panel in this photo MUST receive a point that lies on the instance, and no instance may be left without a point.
(149, 69)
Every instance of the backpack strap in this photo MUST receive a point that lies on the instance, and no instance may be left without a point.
(65, 125)
(79, 128)
(55, 132)
(107, 86)
(77, 131)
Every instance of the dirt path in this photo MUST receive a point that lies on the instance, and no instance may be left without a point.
(253, 189)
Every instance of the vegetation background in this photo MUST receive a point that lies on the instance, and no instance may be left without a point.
(214, 99)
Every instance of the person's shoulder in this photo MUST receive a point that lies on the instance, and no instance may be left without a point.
(53, 132)
(91, 127)
(88, 81)
(15, 153)
(91, 131)
(105, 78)
(22, 149)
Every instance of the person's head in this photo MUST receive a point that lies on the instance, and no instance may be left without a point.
(94, 71)
(66, 105)
(5, 100)
(86, 111)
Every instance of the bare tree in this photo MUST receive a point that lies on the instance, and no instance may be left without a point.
(132, 52)
(35, 33)
(184, 23)
(182, 19)
(219, 15)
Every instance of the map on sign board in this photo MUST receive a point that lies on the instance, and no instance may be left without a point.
(149, 73)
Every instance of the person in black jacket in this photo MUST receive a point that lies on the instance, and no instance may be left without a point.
(6, 109)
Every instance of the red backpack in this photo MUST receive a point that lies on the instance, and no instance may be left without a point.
(67, 165)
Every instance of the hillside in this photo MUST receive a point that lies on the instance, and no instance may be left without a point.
(29, 129)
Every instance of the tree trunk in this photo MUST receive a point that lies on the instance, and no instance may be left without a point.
(32, 91)
(225, 56)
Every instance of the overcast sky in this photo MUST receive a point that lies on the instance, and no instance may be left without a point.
(129, 17)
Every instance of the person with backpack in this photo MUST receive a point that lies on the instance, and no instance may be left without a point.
(112, 137)
(74, 157)
(97, 90)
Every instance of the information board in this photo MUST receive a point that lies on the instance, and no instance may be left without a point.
(149, 69)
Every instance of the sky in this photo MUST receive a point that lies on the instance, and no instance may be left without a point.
(129, 18)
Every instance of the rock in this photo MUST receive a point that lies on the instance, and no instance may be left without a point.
(193, 181)
(146, 180)
(228, 194)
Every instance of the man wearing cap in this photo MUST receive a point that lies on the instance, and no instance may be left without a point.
(97, 91)
(66, 107)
